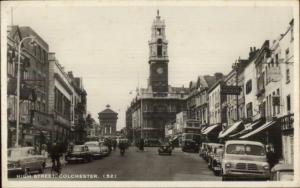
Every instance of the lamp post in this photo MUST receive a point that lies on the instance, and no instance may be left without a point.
(18, 86)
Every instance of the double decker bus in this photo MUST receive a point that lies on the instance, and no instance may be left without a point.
(191, 136)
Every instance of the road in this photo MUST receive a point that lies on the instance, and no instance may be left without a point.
(143, 166)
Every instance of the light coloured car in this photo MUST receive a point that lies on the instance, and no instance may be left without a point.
(24, 160)
(104, 149)
(244, 159)
(94, 148)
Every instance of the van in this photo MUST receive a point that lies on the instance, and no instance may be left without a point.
(244, 160)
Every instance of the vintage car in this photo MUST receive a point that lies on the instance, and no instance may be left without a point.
(94, 148)
(282, 172)
(211, 152)
(203, 149)
(244, 159)
(104, 149)
(79, 153)
(165, 149)
(216, 161)
(206, 149)
(24, 160)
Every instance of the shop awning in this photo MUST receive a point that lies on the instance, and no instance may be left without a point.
(203, 129)
(248, 128)
(259, 129)
(230, 129)
(210, 128)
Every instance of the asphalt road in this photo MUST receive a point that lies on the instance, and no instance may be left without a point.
(142, 166)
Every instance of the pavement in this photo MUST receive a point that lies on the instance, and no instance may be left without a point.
(142, 166)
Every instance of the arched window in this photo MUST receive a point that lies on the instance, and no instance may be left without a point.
(159, 47)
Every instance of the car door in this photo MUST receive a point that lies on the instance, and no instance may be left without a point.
(25, 159)
(34, 163)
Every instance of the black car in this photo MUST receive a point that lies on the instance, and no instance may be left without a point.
(79, 153)
(165, 149)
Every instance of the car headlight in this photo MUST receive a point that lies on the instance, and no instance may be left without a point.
(266, 167)
(227, 165)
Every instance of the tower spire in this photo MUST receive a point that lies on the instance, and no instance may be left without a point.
(157, 13)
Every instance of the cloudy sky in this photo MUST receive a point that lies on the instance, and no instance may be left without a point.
(108, 45)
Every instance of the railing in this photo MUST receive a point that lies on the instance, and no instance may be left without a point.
(287, 122)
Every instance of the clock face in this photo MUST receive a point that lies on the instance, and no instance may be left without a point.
(160, 70)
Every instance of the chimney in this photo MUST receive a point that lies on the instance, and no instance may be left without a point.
(218, 75)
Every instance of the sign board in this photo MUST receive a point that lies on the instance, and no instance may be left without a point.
(231, 90)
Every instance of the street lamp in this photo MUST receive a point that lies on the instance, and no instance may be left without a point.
(18, 85)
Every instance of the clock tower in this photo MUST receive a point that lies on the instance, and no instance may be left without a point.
(158, 57)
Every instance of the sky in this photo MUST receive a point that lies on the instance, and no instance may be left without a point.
(108, 45)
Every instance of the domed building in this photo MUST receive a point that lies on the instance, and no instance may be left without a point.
(108, 121)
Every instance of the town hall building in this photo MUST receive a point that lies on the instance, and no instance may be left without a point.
(158, 104)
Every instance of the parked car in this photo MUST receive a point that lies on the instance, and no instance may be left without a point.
(23, 161)
(202, 150)
(165, 149)
(282, 172)
(94, 148)
(217, 160)
(104, 149)
(244, 159)
(211, 152)
(79, 153)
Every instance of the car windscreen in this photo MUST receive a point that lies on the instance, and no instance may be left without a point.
(78, 148)
(14, 153)
(242, 149)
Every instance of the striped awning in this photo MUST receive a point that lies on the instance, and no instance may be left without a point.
(259, 129)
(230, 129)
(210, 128)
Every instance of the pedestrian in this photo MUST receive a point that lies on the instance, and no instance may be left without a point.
(44, 151)
(271, 156)
(142, 144)
(55, 154)
(114, 144)
(122, 147)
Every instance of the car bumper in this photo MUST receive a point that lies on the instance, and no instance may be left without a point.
(15, 171)
(97, 154)
(239, 174)
(74, 158)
